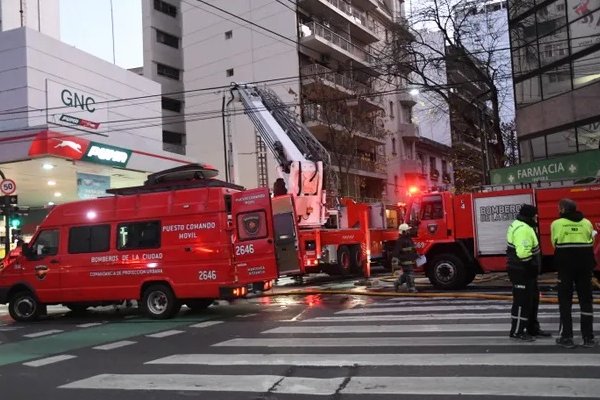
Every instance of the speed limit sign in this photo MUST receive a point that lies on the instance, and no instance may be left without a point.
(8, 186)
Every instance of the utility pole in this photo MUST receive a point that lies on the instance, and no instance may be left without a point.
(6, 208)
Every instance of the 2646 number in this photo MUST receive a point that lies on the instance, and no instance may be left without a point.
(244, 249)
(210, 275)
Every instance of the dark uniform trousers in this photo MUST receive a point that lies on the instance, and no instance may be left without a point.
(526, 300)
(581, 276)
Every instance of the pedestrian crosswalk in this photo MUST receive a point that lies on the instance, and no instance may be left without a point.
(394, 348)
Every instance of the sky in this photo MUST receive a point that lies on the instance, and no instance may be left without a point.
(86, 24)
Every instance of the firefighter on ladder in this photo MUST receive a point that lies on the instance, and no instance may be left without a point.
(524, 265)
(405, 255)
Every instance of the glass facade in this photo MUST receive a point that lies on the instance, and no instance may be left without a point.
(582, 138)
(555, 47)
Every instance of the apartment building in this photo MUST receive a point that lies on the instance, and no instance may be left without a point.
(163, 63)
(320, 57)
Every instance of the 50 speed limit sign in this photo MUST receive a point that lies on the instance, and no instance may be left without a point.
(8, 186)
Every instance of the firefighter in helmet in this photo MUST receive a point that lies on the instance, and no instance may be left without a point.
(405, 255)
(573, 241)
(524, 265)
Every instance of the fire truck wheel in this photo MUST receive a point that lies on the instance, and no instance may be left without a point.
(356, 259)
(158, 302)
(24, 307)
(344, 259)
(197, 305)
(447, 272)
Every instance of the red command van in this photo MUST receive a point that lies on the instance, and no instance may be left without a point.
(181, 238)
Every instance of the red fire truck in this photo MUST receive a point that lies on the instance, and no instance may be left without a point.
(464, 235)
(181, 238)
(341, 238)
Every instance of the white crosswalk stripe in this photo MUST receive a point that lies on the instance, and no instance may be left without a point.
(387, 336)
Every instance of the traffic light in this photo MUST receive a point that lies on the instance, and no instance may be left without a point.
(15, 221)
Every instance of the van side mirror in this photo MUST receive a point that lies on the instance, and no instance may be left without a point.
(26, 250)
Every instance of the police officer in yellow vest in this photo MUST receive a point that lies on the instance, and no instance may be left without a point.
(524, 264)
(573, 240)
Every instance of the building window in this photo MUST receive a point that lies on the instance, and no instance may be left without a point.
(165, 8)
(173, 137)
(228, 35)
(561, 143)
(229, 72)
(174, 142)
(407, 114)
(168, 39)
(138, 235)
(394, 146)
(89, 239)
(444, 167)
(169, 72)
(391, 109)
(171, 104)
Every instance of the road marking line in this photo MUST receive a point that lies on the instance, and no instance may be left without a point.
(164, 334)
(246, 315)
(400, 309)
(89, 325)
(478, 386)
(43, 333)
(115, 345)
(348, 360)
(404, 341)
(206, 324)
(48, 360)
(215, 383)
(422, 317)
(10, 328)
(473, 327)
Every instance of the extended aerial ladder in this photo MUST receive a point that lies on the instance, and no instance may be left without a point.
(359, 234)
(303, 161)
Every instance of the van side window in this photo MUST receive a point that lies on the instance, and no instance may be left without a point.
(252, 225)
(89, 239)
(46, 243)
(138, 235)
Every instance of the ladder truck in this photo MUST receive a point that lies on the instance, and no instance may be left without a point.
(342, 240)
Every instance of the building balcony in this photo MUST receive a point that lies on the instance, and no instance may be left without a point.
(363, 166)
(324, 40)
(343, 14)
(404, 97)
(367, 5)
(408, 130)
(321, 125)
(321, 80)
(409, 166)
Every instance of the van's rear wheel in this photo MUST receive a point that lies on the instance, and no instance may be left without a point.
(159, 302)
(197, 305)
(24, 307)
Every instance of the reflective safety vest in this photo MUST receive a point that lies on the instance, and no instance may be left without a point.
(570, 234)
(522, 241)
